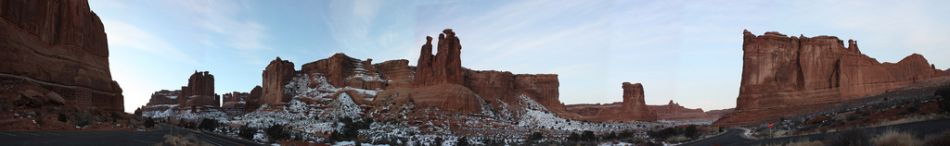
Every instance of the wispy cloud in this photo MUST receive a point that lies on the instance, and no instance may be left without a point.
(223, 20)
(125, 36)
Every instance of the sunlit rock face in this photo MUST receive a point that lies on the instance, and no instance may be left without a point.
(784, 75)
(62, 43)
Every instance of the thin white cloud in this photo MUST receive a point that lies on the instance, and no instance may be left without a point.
(126, 36)
(226, 25)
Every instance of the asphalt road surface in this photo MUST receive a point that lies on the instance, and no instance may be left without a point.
(110, 138)
(734, 136)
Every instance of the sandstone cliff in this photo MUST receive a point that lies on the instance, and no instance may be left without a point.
(58, 46)
(784, 75)
(275, 76)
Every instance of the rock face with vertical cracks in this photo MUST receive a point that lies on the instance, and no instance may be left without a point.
(784, 75)
(61, 46)
(275, 76)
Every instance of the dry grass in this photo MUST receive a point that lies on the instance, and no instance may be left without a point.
(803, 142)
(942, 139)
(911, 119)
(895, 138)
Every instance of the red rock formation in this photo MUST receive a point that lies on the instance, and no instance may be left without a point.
(716, 114)
(253, 100)
(633, 107)
(784, 75)
(234, 99)
(164, 97)
(62, 45)
(275, 76)
(445, 66)
(674, 111)
(344, 71)
(200, 91)
(397, 72)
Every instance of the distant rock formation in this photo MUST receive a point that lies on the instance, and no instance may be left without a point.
(633, 107)
(57, 48)
(784, 75)
(235, 102)
(200, 91)
(164, 97)
(345, 71)
(445, 66)
(275, 76)
(254, 99)
(674, 111)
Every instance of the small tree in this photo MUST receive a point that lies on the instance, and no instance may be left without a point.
(208, 124)
(276, 132)
(149, 123)
(944, 94)
(574, 137)
(588, 136)
(247, 132)
(691, 131)
(462, 141)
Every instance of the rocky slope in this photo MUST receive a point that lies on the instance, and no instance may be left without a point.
(57, 48)
(785, 75)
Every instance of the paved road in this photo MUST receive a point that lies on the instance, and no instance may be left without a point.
(109, 138)
(734, 136)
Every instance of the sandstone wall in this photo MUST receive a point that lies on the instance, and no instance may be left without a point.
(785, 75)
(60, 42)
(275, 76)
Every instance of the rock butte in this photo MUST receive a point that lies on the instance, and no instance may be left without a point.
(784, 75)
(633, 107)
(58, 48)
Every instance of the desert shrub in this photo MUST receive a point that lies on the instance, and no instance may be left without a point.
(942, 139)
(894, 138)
(208, 124)
(62, 117)
(437, 142)
(149, 123)
(847, 138)
(462, 141)
(535, 136)
(944, 94)
(588, 136)
(277, 132)
(691, 131)
(247, 132)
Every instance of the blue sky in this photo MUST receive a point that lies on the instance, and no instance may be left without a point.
(687, 51)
